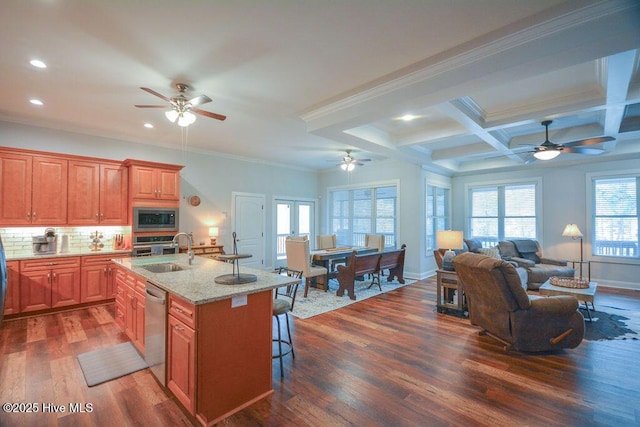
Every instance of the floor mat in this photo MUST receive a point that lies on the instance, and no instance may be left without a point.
(109, 363)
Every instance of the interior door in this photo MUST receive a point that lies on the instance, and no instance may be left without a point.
(293, 218)
(249, 226)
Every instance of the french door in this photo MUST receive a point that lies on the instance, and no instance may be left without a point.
(293, 218)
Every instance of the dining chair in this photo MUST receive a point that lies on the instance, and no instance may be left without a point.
(299, 258)
(326, 241)
(283, 302)
(374, 241)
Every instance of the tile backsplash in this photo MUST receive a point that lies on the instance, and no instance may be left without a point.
(18, 240)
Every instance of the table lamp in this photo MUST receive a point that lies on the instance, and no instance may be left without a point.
(449, 240)
(213, 234)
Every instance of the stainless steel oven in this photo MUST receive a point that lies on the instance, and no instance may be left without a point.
(157, 244)
(155, 219)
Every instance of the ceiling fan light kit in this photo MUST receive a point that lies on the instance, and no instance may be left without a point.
(349, 163)
(182, 109)
(548, 150)
(546, 154)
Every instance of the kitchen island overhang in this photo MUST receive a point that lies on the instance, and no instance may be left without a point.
(227, 366)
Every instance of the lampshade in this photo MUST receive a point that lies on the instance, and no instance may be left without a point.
(186, 118)
(213, 234)
(449, 239)
(571, 230)
(546, 154)
(172, 115)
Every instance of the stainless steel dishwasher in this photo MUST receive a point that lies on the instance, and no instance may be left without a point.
(155, 330)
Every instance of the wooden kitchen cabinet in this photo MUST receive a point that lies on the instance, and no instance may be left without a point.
(130, 305)
(49, 283)
(154, 181)
(12, 299)
(181, 352)
(97, 277)
(97, 193)
(15, 186)
(33, 189)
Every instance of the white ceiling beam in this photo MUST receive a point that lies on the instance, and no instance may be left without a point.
(619, 74)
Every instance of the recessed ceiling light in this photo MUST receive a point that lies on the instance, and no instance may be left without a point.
(148, 125)
(36, 102)
(37, 63)
(408, 117)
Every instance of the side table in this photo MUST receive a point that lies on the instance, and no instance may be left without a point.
(588, 262)
(207, 251)
(450, 298)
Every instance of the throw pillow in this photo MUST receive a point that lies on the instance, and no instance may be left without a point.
(473, 244)
(531, 256)
(492, 252)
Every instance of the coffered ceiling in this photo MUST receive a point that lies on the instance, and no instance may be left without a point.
(301, 82)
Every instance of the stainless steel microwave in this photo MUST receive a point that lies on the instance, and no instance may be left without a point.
(155, 219)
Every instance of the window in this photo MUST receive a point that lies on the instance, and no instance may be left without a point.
(438, 213)
(358, 212)
(615, 221)
(503, 213)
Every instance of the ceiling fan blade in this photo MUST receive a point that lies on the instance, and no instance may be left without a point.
(590, 141)
(199, 100)
(583, 150)
(363, 160)
(153, 92)
(151, 106)
(208, 114)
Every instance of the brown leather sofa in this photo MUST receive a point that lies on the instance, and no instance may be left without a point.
(501, 307)
(527, 253)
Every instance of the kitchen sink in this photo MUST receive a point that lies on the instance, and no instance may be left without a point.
(165, 267)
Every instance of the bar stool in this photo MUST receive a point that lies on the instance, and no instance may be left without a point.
(284, 299)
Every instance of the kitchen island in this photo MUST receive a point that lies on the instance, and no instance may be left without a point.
(218, 336)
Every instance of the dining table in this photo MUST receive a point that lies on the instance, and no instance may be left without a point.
(328, 258)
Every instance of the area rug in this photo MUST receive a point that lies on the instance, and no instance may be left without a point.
(319, 301)
(613, 324)
(109, 363)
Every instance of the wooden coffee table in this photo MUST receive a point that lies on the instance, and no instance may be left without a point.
(582, 294)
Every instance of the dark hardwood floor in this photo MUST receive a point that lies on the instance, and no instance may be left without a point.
(386, 361)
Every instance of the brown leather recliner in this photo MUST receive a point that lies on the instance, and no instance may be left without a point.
(498, 304)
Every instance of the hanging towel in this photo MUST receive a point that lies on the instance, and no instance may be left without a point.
(157, 249)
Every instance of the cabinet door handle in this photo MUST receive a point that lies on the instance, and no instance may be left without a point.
(179, 310)
(178, 328)
(49, 277)
(97, 215)
(55, 276)
(28, 216)
(101, 215)
(34, 215)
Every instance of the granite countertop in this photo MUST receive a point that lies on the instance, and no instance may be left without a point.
(19, 256)
(196, 283)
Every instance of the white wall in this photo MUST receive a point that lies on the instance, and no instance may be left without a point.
(565, 199)
(211, 177)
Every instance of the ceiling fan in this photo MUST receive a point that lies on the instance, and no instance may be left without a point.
(549, 150)
(182, 108)
(349, 163)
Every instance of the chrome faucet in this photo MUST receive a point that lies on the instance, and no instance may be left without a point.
(189, 247)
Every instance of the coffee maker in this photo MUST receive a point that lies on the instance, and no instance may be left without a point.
(45, 244)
